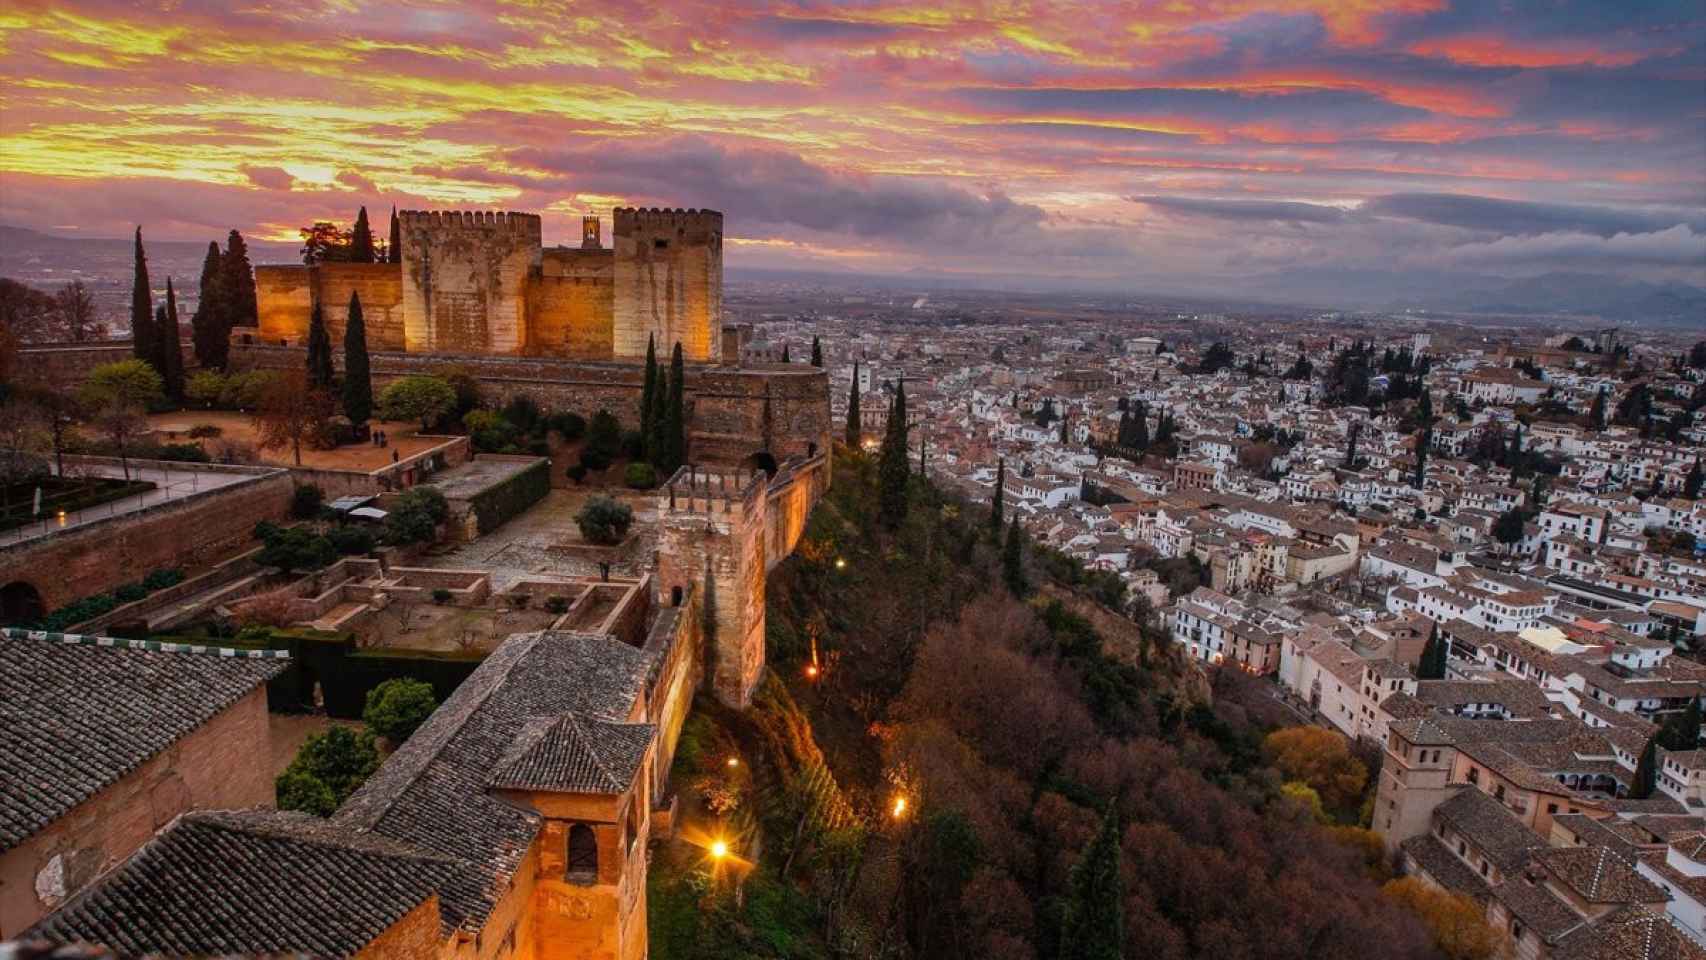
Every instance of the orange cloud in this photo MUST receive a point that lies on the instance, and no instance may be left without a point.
(1487, 50)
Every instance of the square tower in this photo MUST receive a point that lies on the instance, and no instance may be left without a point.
(669, 282)
(465, 279)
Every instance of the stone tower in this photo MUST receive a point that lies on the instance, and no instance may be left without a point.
(465, 278)
(711, 538)
(669, 282)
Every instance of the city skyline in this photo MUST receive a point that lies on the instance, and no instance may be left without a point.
(1213, 150)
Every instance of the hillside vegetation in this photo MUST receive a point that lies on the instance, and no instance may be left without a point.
(1066, 794)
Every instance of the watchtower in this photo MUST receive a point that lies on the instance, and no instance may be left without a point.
(711, 538)
(465, 277)
(669, 282)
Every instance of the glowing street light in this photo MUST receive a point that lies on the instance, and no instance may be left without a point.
(840, 563)
(899, 809)
(811, 671)
(719, 849)
(734, 762)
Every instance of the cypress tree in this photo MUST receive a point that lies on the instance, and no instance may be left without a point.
(1596, 417)
(675, 413)
(171, 347)
(1351, 447)
(1065, 431)
(893, 466)
(239, 282)
(1696, 479)
(1423, 441)
(1093, 927)
(855, 430)
(785, 353)
(320, 372)
(648, 398)
(1434, 658)
(1012, 560)
(211, 326)
(996, 505)
(1681, 731)
(922, 461)
(142, 309)
(817, 353)
(361, 239)
(1140, 428)
(358, 373)
(394, 250)
(1646, 770)
(1122, 436)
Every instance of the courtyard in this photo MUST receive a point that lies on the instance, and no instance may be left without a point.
(237, 433)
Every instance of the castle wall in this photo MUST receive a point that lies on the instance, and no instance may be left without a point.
(465, 278)
(284, 298)
(571, 305)
(711, 538)
(725, 405)
(669, 281)
(380, 286)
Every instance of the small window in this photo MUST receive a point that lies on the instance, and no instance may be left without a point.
(660, 244)
(675, 596)
(583, 853)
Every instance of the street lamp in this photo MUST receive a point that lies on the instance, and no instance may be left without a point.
(899, 808)
(719, 849)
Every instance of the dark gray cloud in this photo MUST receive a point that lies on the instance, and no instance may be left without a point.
(1282, 211)
(759, 187)
(1519, 217)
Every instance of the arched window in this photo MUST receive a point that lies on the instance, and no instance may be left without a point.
(583, 853)
(20, 603)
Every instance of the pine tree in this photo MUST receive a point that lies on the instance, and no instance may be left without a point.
(817, 353)
(142, 336)
(394, 250)
(1696, 479)
(320, 372)
(1012, 560)
(648, 399)
(1646, 771)
(997, 504)
(1093, 925)
(358, 373)
(170, 348)
(211, 326)
(893, 466)
(675, 414)
(361, 239)
(239, 282)
(855, 430)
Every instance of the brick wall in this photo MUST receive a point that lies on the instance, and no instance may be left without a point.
(69, 364)
(416, 936)
(464, 279)
(570, 306)
(669, 281)
(210, 769)
(711, 539)
(192, 532)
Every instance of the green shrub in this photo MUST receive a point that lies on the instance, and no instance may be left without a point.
(339, 760)
(577, 472)
(306, 501)
(490, 432)
(519, 600)
(130, 593)
(415, 516)
(604, 521)
(570, 426)
(204, 389)
(206, 431)
(633, 444)
(441, 596)
(557, 605)
(184, 453)
(603, 440)
(397, 707)
(640, 476)
(351, 541)
(523, 412)
(297, 549)
(161, 579)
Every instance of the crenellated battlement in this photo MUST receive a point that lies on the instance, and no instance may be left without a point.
(508, 221)
(629, 219)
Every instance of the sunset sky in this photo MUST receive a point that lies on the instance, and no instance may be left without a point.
(1140, 142)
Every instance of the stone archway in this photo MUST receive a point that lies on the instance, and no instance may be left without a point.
(20, 602)
(762, 460)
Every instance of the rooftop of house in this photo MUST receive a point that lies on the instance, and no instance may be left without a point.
(77, 714)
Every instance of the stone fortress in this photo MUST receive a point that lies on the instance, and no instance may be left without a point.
(484, 283)
(567, 326)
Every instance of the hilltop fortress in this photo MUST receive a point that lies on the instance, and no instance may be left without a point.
(565, 325)
(484, 283)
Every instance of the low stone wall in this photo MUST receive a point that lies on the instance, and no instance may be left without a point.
(405, 473)
(726, 405)
(188, 532)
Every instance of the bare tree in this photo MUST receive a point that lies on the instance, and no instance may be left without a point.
(76, 308)
(290, 411)
(117, 396)
(56, 412)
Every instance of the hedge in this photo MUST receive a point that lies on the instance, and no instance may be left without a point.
(493, 506)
